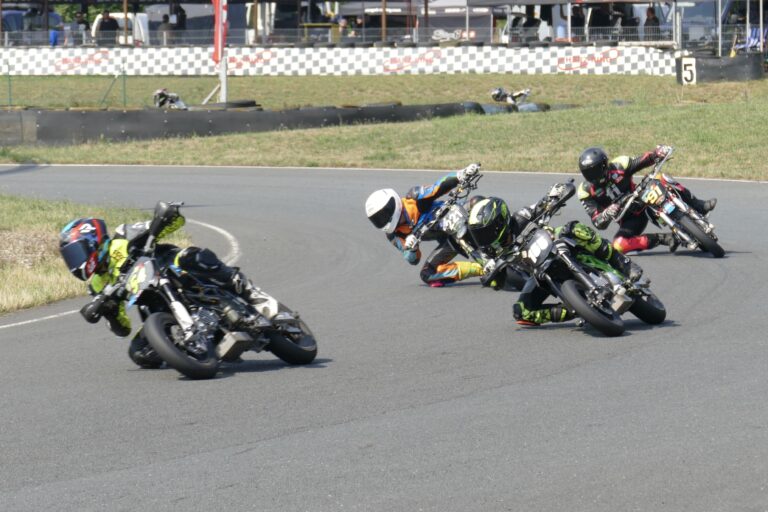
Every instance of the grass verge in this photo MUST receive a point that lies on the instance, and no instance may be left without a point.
(32, 272)
(718, 128)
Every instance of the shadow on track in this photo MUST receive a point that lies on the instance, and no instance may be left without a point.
(19, 169)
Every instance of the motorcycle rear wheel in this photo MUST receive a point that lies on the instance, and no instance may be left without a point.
(159, 331)
(575, 295)
(706, 242)
(293, 348)
(649, 309)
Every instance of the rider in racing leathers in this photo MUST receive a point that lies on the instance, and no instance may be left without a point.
(399, 216)
(92, 255)
(495, 229)
(609, 180)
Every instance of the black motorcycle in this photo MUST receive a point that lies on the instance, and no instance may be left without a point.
(658, 197)
(193, 324)
(589, 287)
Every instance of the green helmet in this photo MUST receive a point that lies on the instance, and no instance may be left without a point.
(489, 222)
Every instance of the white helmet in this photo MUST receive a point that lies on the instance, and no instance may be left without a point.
(383, 209)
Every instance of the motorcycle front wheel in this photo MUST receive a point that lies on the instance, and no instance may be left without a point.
(294, 343)
(706, 242)
(649, 309)
(165, 335)
(575, 294)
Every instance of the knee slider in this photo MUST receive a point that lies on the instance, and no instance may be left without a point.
(517, 310)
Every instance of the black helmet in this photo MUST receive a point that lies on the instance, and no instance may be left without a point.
(473, 201)
(593, 164)
(489, 222)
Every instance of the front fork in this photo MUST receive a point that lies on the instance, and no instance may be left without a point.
(178, 309)
(565, 256)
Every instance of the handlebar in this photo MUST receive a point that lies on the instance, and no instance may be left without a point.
(460, 192)
(164, 213)
(627, 200)
(554, 204)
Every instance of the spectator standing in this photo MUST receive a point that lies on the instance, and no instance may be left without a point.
(108, 29)
(356, 30)
(531, 24)
(577, 21)
(600, 22)
(165, 31)
(180, 24)
(78, 30)
(344, 31)
(53, 35)
(651, 26)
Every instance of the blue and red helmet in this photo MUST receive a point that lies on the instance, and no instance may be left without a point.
(83, 243)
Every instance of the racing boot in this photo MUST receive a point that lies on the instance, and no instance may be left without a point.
(534, 318)
(448, 273)
(263, 302)
(117, 318)
(667, 239)
(703, 207)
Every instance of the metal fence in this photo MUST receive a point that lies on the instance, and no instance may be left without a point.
(734, 37)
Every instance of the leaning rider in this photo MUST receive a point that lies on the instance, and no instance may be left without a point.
(399, 216)
(92, 255)
(494, 229)
(607, 181)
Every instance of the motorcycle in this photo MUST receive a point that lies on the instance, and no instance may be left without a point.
(658, 196)
(589, 287)
(501, 95)
(450, 217)
(193, 324)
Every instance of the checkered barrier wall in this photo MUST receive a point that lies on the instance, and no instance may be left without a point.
(254, 61)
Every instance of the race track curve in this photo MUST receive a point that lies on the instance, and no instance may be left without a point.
(420, 399)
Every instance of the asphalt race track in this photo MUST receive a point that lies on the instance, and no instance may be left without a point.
(420, 399)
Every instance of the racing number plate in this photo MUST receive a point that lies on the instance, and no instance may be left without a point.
(653, 195)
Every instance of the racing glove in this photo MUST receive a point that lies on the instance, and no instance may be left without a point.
(661, 151)
(492, 278)
(411, 243)
(557, 190)
(605, 217)
(468, 172)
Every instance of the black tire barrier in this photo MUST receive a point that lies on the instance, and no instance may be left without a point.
(77, 126)
(63, 127)
(17, 127)
(709, 68)
(501, 108)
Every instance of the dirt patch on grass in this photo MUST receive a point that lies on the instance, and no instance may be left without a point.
(25, 249)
